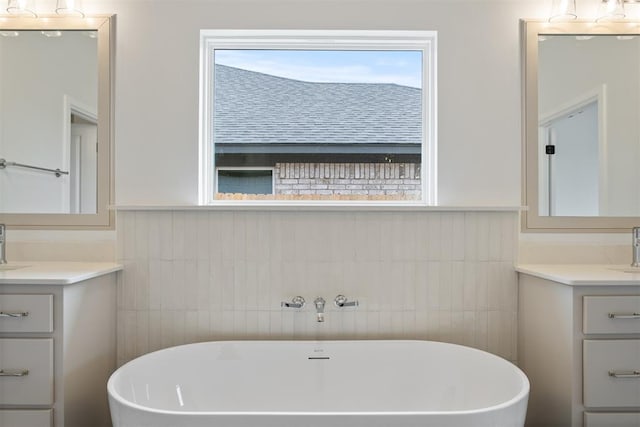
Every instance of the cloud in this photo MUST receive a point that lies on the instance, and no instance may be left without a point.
(315, 72)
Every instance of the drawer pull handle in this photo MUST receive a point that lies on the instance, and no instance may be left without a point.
(14, 313)
(14, 372)
(624, 315)
(624, 374)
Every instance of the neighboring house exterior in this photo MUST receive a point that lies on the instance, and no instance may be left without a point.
(289, 139)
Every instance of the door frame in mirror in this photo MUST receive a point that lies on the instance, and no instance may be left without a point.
(531, 221)
(104, 218)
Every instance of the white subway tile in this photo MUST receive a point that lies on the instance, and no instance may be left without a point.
(433, 285)
(179, 231)
(204, 326)
(190, 326)
(203, 274)
(483, 236)
(500, 334)
(223, 274)
(190, 286)
(470, 287)
(394, 284)
(173, 286)
(481, 330)
(458, 235)
(142, 332)
(471, 236)
(127, 292)
(410, 286)
(457, 286)
(482, 285)
(445, 294)
(434, 237)
(446, 238)
(421, 279)
(202, 235)
(142, 294)
(155, 330)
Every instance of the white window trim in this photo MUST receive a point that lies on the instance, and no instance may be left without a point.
(248, 168)
(426, 41)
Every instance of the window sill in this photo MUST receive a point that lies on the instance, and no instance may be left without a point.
(319, 206)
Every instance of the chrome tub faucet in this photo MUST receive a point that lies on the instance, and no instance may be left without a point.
(635, 241)
(319, 303)
(3, 244)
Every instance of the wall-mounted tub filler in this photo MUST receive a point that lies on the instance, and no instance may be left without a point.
(3, 244)
(635, 239)
(319, 303)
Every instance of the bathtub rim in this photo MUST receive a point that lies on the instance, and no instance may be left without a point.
(522, 393)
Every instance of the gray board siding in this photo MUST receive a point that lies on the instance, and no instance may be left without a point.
(258, 109)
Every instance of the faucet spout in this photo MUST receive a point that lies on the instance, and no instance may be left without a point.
(3, 241)
(319, 303)
(635, 241)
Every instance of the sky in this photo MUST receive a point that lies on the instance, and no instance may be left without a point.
(336, 66)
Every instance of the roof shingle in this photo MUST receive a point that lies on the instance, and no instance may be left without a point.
(256, 108)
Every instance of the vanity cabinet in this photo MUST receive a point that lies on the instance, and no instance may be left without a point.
(579, 345)
(57, 349)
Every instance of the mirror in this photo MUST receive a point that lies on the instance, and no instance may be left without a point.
(55, 122)
(581, 126)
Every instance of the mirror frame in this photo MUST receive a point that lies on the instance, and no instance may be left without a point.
(104, 218)
(531, 221)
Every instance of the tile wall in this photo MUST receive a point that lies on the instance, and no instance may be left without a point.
(221, 275)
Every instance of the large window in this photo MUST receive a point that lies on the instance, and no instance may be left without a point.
(318, 116)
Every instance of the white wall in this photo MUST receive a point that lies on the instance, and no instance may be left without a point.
(37, 73)
(478, 86)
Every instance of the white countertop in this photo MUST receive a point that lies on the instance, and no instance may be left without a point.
(53, 273)
(584, 274)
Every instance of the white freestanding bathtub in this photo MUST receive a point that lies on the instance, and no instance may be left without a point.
(318, 383)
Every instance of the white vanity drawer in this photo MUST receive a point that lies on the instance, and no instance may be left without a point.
(613, 419)
(25, 418)
(611, 315)
(26, 313)
(18, 387)
(611, 373)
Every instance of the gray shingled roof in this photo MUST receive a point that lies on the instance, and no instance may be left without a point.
(255, 108)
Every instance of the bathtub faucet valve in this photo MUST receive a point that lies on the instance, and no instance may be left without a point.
(319, 303)
(342, 301)
(296, 302)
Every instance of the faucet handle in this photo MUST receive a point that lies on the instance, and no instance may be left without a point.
(296, 302)
(341, 301)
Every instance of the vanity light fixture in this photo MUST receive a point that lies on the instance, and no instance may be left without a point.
(563, 10)
(611, 10)
(22, 8)
(27, 8)
(69, 8)
(607, 10)
(52, 34)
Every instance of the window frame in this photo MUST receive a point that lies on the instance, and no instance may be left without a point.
(425, 41)
(246, 168)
